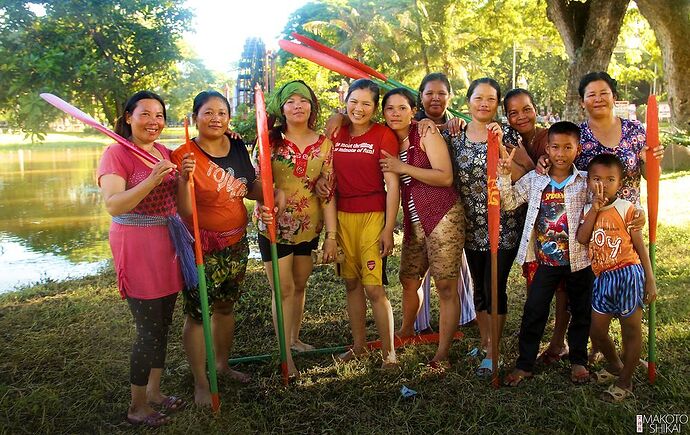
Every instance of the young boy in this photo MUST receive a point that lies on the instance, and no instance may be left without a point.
(555, 203)
(624, 274)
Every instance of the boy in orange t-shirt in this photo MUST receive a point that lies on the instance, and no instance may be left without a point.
(624, 277)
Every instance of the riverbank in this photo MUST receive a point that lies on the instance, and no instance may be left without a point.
(64, 367)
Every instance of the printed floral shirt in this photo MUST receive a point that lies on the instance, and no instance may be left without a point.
(470, 167)
(296, 173)
(633, 139)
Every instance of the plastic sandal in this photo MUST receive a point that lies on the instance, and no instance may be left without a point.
(603, 377)
(616, 394)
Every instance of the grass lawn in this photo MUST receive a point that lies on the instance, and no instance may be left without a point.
(65, 357)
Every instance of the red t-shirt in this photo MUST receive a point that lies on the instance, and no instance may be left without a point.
(359, 181)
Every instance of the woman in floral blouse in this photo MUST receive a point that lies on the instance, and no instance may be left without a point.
(469, 152)
(299, 157)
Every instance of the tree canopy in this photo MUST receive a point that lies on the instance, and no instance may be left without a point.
(94, 53)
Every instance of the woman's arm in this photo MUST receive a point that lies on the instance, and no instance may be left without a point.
(441, 172)
(118, 200)
(392, 203)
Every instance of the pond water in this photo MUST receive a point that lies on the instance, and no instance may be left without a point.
(53, 224)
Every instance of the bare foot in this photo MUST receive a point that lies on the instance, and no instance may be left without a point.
(300, 346)
(391, 362)
(236, 375)
(202, 395)
(140, 413)
(579, 374)
(404, 333)
(350, 355)
(516, 377)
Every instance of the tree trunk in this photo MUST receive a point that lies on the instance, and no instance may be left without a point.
(670, 20)
(425, 55)
(589, 31)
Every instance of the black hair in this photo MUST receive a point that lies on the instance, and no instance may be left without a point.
(203, 97)
(486, 80)
(594, 77)
(276, 131)
(365, 84)
(121, 126)
(565, 127)
(432, 77)
(514, 93)
(608, 160)
(400, 91)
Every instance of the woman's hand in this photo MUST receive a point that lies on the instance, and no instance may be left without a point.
(386, 242)
(495, 127)
(233, 134)
(279, 201)
(330, 250)
(426, 126)
(188, 165)
(324, 187)
(658, 153)
(455, 125)
(159, 171)
(543, 165)
(391, 164)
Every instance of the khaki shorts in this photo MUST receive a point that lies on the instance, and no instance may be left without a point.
(358, 235)
(440, 252)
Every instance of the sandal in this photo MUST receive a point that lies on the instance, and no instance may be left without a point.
(603, 377)
(549, 357)
(514, 379)
(485, 368)
(580, 378)
(156, 419)
(615, 394)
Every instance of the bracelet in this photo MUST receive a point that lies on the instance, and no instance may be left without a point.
(331, 235)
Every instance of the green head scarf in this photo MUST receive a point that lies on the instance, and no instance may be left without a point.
(280, 96)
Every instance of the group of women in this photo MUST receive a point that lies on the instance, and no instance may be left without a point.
(350, 184)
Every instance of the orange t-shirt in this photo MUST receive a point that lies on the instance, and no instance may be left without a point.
(219, 195)
(610, 246)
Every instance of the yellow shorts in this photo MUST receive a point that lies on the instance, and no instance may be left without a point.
(358, 235)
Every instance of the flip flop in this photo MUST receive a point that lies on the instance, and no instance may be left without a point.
(548, 357)
(603, 377)
(580, 378)
(615, 394)
(156, 419)
(485, 368)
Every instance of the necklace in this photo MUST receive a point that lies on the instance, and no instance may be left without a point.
(405, 139)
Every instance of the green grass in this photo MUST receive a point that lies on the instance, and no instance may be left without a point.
(65, 356)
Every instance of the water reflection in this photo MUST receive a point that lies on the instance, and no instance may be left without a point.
(53, 224)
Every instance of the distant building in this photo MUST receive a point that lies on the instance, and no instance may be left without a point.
(256, 66)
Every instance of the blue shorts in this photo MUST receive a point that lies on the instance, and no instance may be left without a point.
(619, 292)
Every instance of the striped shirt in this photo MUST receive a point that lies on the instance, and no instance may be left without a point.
(529, 189)
(406, 180)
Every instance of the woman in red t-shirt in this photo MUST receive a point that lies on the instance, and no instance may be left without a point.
(367, 200)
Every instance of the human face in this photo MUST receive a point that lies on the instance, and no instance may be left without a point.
(213, 118)
(598, 100)
(146, 120)
(360, 107)
(435, 98)
(297, 109)
(521, 114)
(397, 112)
(608, 176)
(562, 150)
(483, 103)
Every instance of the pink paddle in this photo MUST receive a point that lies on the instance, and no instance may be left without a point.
(88, 120)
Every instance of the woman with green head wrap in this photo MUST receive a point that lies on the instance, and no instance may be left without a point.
(299, 157)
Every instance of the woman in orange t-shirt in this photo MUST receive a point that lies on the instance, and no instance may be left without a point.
(223, 177)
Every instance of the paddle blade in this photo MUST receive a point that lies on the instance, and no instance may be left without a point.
(264, 155)
(88, 120)
(653, 169)
(323, 59)
(339, 56)
(493, 199)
